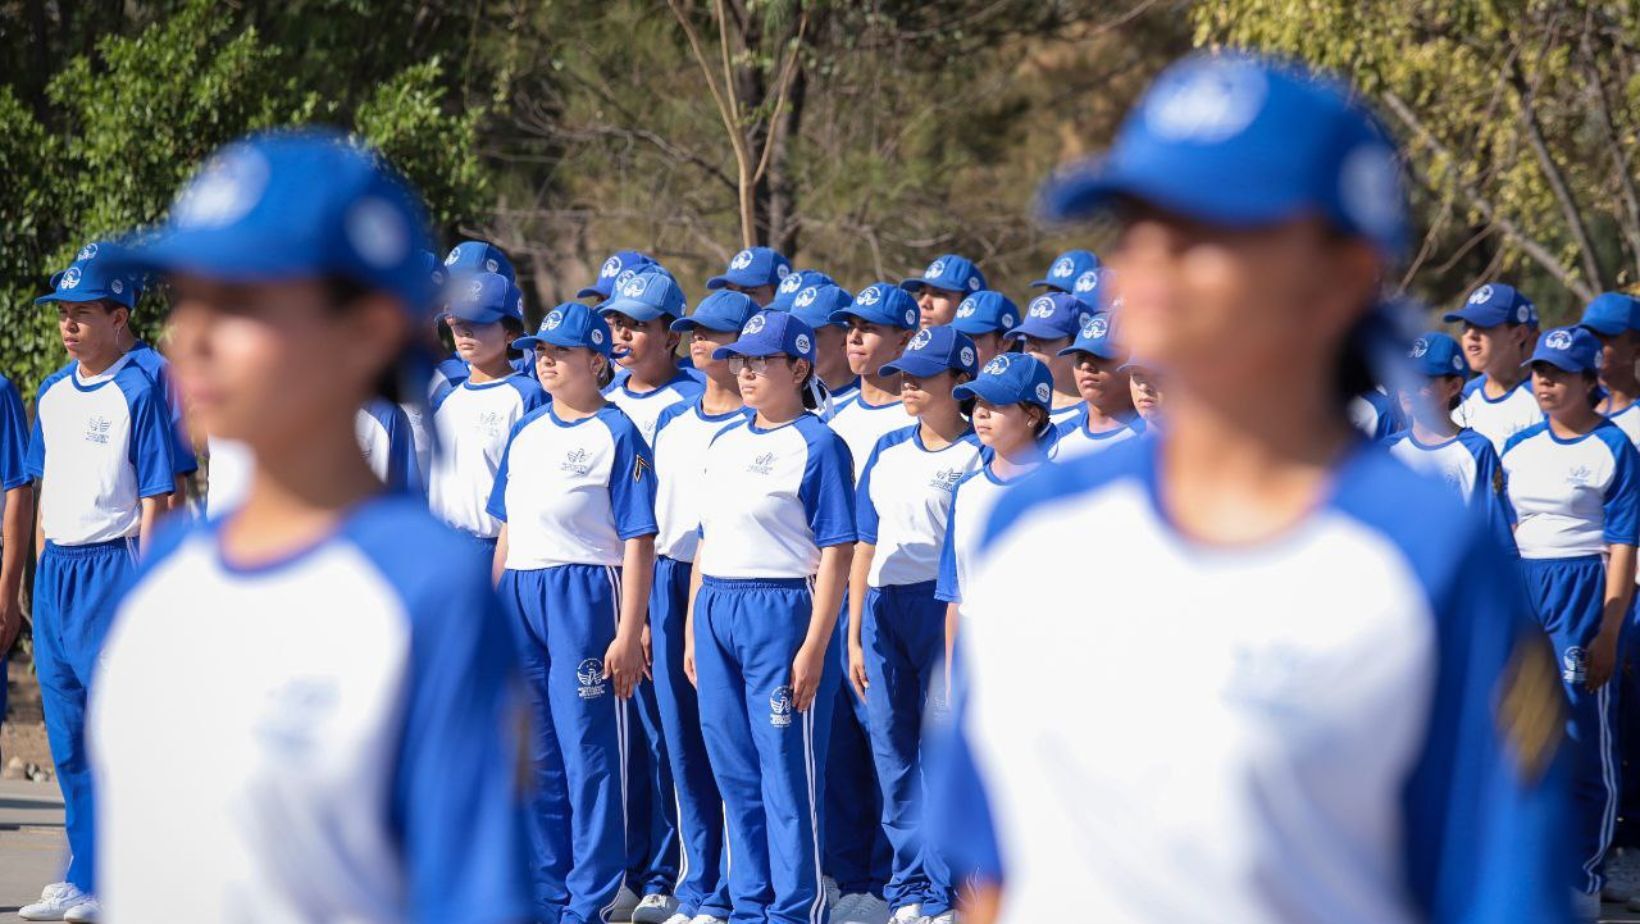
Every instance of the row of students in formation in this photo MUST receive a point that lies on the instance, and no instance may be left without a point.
(768, 552)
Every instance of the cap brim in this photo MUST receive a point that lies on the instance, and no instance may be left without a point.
(484, 316)
(1609, 327)
(637, 311)
(988, 389)
(84, 295)
(1047, 284)
(919, 366)
(1025, 329)
(682, 325)
(214, 255)
(1560, 360)
(912, 285)
(1157, 181)
(590, 291)
(1475, 317)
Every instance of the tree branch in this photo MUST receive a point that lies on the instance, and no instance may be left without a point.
(1620, 158)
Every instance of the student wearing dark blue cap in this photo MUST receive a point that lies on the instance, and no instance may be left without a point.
(880, 319)
(1066, 269)
(465, 260)
(1574, 482)
(776, 535)
(485, 314)
(639, 314)
(1051, 322)
(1107, 416)
(682, 436)
(575, 493)
(948, 280)
(986, 317)
(1499, 326)
(621, 266)
(1145, 390)
(815, 304)
(897, 627)
(344, 730)
(1463, 459)
(104, 449)
(1614, 319)
(755, 272)
(1357, 767)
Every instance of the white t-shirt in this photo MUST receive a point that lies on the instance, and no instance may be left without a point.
(682, 435)
(573, 492)
(1498, 419)
(903, 503)
(645, 408)
(971, 504)
(861, 425)
(101, 444)
(1074, 439)
(472, 423)
(1572, 497)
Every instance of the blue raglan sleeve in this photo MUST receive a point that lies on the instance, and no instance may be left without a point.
(153, 442)
(828, 489)
(14, 438)
(945, 585)
(402, 473)
(456, 803)
(865, 510)
(1483, 833)
(1491, 498)
(632, 483)
(183, 450)
(957, 822)
(497, 506)
(1622, 502)
(35, 462)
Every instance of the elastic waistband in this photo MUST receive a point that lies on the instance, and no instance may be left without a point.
(755, 583)
(919, 589)
(675, 561)
(1561, 562)
(94, 549)
(487, 541)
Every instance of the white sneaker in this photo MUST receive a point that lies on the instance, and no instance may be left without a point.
(707, 919)
(833, 893)
(860, 908)
(84, 913)
(907, 914)
(949, 917)
(654, 909)
(55, 901)
(626, 901)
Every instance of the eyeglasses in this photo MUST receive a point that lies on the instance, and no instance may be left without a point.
(757, 364)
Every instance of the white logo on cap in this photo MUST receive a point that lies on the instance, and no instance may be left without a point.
(611, 267)
(1419, 347)
(452, 256)
(1558, 340)
(1088, 281)
(1041, 308)
(790, 283)
(921, 340)
(226, 189)
(1095, 328)
(1206, 101)
(552, 320)
(597, 336)
(741, 260)
(802, 342)
(753, 325)
(997, 365)
(1369, 186)
(1524, 313)
(625, 275)
(1482, 294)
(935, 270)
(378, 232)
(118, 286)
(967, 308)
(520, 303)
(1043, 392)
(490, 266)
(1062, 267)
(634, 287)
(870, 295)
(71, 278)
(1007, 320)
(476, 289)
(1457, 363)
(973, 283)
(910, 316)
(781, 270)
(87, 252)
(806, 297)
(967, 356)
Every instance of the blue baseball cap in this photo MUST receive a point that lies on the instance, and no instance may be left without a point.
(934, 350)
(753, 267)
(1240, 140)
(651, 293)
(434, 268)
(950, 271)
(882, 303)
(485, 298)
(1436, 354)
(1092, 289)
(1097, 337)
(1052, 317)
(770, 332)
(795, 282)
(469, 257)
(1011, 378)
(1134, 362)
(721, 311)
(1493, 304)
(986, 312)
(1067, 268)
(1612, 313)
(616, 270)
(1570, 348)
(95, 275)
(570, 324)
(294, 204)
(817, 304)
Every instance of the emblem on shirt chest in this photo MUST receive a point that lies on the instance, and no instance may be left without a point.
(96, 429)
(576, 462)
(489, 424)
(762, 465)
(1579, 476)
(946, 479)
